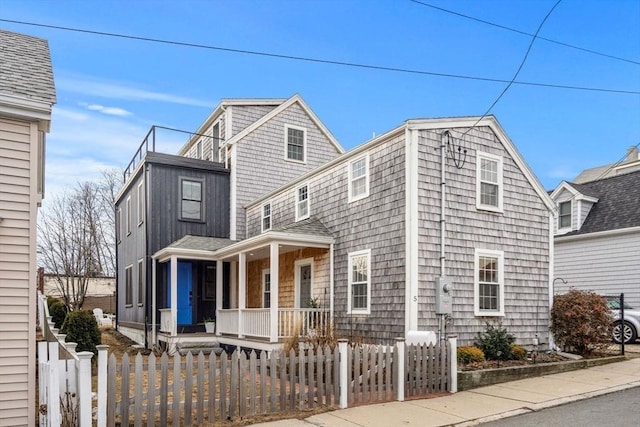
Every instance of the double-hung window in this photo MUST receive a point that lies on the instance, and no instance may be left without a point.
(489, 283)
(302, 202)
(359, 271)
(564, 215)
(489, 182)
(359, 178)
(128, 285)
(295, 143)
(191, 200)
(266, 289)
(266, 217)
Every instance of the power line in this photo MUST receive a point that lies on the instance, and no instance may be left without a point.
(614, 165)
(515, 30)
(321, 61)
(526, 55)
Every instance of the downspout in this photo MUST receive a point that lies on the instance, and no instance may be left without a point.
(442, 202)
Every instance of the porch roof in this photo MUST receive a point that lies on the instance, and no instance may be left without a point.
(193, 247)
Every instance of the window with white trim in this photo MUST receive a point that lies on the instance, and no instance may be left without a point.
(215, 143)
(119, 225)
(191, 200)
(489, 283)
(266, 288)
(140, 204)
(564, 214)
(140, 283)
(302, 202)
(359, 292)
(295, 143)
(359, 178)
(199, 150)
(128, 215)
(128, 290)
(489, 182)
(266, 217)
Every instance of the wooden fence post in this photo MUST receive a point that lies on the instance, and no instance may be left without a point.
(453, 363)
(399, 362)
(84, 388)
(344, 377)
(102, 385)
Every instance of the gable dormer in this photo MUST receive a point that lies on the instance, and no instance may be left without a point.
(572, 207)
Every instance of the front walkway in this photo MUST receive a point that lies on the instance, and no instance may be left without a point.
(485, 404)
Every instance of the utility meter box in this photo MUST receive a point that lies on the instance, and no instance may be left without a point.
(443, 295)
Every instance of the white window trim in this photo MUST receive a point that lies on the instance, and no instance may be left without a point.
(570, 227)
(350, 256)
(476, 282)
(480, 155)
(353, 198)
(119, 226)
(263, 217)
(264, 273)
(140, 276)
(129, 287)
(128, 215)
(296, 279)
(304, 144)
(140, 204)
(298, 216)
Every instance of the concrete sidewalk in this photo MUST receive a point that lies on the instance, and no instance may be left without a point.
(483, 404)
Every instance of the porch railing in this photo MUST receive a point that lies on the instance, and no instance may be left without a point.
(256, 321)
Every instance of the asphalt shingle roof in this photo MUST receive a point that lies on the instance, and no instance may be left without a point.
(309, 226)
(618, 203)
(202, 243)
(25, 67)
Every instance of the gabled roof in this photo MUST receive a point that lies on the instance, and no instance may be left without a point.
(25, 68)
(618, 203)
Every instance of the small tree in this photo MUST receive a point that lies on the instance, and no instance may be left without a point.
(495, 342)
(81, 327)
(581, 320)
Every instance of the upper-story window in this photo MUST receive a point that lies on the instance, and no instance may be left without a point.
(359, 293)
(128, 215)
(489, 283)
(199, 150)
(128, 285)
(295, 143)
(140, 203)
(489, 182)
(215, 142)
(191, 200)
(119, 225)
(564, 215)
(266, 217)
(140, 282)
(359, 178)
(302, 202)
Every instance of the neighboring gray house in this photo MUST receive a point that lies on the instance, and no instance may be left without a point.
(27, 94)
(244, 149)
(356, 239)
(597, 235)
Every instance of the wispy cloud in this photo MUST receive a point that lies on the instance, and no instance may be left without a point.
(112, 111)
(125, 91)
(564, 172)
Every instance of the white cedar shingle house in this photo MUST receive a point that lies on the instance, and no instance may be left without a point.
(597, 231)
(27, 95)
(356, 238)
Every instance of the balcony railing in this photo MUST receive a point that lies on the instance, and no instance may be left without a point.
(149, 140)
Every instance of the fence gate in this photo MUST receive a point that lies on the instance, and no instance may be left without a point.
(427, 369)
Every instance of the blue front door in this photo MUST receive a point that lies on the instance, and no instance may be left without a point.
(185, 287)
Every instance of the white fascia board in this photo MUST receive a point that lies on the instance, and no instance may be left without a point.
(338, 161)
(597, 234)
(25, 108)
(267, 238)
(492, 123)
(564, 185)
(215, 114)
(165, 254)
(132, 179)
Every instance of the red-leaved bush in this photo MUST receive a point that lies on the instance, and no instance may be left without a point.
(581, 321)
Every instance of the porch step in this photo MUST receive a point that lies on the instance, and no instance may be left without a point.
(197, 347)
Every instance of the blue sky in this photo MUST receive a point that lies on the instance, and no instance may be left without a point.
(112, 90)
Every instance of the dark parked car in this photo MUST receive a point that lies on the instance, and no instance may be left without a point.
(629, 327)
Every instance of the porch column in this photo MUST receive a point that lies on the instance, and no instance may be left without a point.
(273, 295)
(174, 295)
(242, 291)
(233, 279)
(219, 284)
(153, 302)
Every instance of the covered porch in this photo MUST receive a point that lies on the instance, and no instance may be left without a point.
(267, 289)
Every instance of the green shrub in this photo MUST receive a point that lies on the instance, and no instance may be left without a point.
(57, 311)
(469, 354)
(81, 327)
(580, 321)
(495, 342)
(518, 352)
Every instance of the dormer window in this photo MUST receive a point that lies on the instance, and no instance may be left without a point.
(564, 215)
(295, 144)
